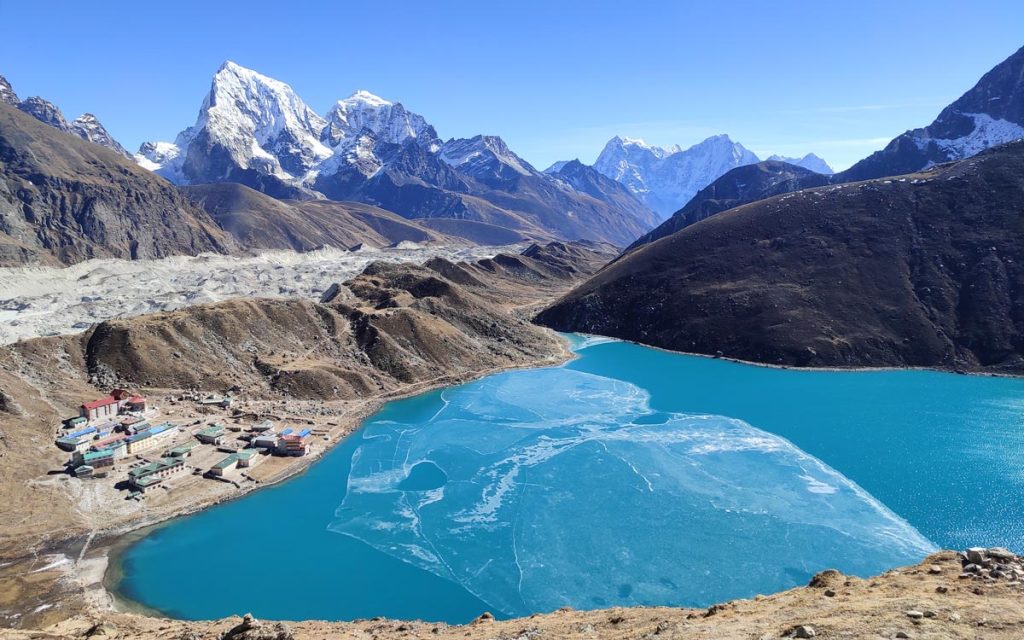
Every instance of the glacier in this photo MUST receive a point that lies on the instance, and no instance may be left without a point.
(39, 301)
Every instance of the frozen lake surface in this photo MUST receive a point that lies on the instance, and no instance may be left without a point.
(628, 476)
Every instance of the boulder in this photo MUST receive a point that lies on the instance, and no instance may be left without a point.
(976, 555)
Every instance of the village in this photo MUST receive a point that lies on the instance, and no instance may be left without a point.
(124, 438)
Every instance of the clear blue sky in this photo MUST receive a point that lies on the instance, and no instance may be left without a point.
(556, 79)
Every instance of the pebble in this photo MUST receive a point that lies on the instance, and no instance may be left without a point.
(941, 589)
(805, 631)
(935, 569)
(902, 634)
(915, 615)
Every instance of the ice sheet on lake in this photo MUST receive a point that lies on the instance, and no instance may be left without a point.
(38, 301)
(546, 488)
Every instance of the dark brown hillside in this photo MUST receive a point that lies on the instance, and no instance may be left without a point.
(63, 200)
(920, 270)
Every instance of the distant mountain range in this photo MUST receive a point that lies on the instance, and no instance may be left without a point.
(666, 179)
(256, 131)
(989, 114)
(775, 263)
(809, 161)
(64, 199)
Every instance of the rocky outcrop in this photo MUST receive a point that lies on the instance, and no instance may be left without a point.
(922, 270)
(88, 127)
(44, 111)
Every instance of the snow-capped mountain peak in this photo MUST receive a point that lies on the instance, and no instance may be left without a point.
(989, 114)
(155, 155)
(810, 161)
(665, 179)
(362, 96)
(481, 155)
(389, 122)
(248, 121)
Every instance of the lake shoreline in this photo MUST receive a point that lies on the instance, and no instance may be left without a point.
(122, 537)
(787, 367)
(112, 551)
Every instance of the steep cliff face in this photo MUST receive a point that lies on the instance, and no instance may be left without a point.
(63, 199)
(921, 270)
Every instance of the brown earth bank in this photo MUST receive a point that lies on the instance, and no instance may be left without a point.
(392, 331)
(947, 596)
(923, 270)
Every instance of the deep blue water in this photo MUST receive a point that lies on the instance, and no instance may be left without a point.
(629, 476)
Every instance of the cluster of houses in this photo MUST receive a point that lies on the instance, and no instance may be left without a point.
(264, 440)
(118, 425)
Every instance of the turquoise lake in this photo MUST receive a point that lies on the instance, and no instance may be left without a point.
(628, 476)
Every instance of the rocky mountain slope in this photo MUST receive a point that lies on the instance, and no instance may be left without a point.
(254, 219)
(256, 131)
(64, 199)
(989, 114)
(742, 185)
(86, 126)
(921, 270)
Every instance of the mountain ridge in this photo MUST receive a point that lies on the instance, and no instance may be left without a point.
(255, 130)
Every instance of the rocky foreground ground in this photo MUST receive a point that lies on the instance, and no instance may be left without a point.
(977, 594)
